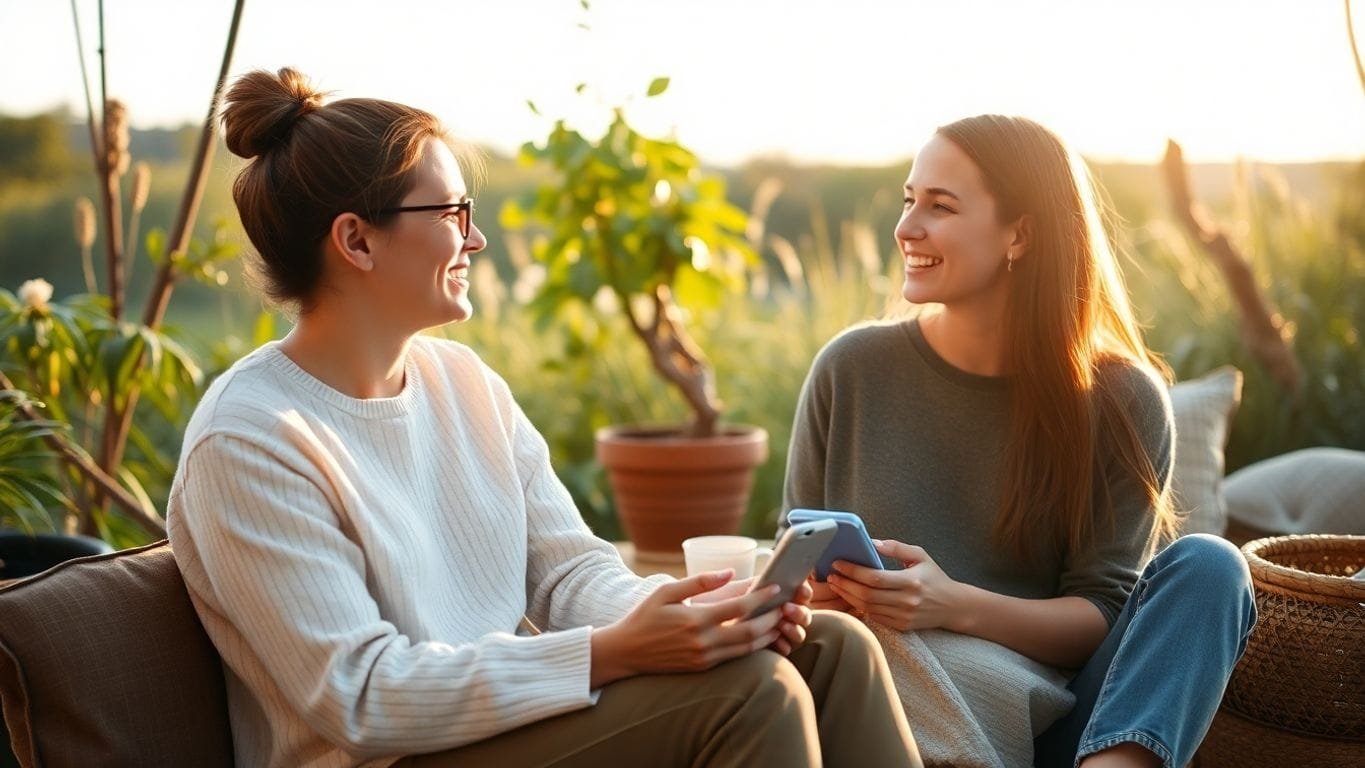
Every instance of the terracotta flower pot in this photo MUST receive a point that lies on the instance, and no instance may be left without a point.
(669, 488)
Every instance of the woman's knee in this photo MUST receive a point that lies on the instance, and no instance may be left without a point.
(842, 629)
(841, 649)
(767, 678)
(1211, 560)
(1213, 569)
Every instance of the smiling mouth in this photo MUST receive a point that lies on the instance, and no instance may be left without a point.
(922, 262)
(458, 274)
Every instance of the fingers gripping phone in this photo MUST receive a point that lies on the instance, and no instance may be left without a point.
(851, 542)
(793, 558)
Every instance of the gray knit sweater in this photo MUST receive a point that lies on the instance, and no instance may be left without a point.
(888, 429)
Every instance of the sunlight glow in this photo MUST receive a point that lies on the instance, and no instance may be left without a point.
(861, 81)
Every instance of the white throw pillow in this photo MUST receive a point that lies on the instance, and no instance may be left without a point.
(1203, 409)
(1314, 490)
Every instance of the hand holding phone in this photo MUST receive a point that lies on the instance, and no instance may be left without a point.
(850, 543)
(793, 558)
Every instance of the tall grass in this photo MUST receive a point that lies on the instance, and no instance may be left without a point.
(1310, 262)
(828, 265)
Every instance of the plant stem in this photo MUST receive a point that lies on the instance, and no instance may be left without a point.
(95, 145)
(119, 421)
(1262, 327)
(88, 270)
(671, 351)
(1355, 51)
(109, 194)
(194, 187)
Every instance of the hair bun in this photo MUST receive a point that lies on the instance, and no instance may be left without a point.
(261, 108)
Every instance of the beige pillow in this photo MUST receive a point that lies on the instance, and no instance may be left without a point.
(1203, 409)
(1314, 490)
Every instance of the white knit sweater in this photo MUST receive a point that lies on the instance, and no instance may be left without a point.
(362, 565)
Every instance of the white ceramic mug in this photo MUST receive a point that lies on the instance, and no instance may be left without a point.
(716, 553)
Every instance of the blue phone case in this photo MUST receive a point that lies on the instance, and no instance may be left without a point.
(851, 541)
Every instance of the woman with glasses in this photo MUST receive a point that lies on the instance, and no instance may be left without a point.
(1013, 446)
(363, 515)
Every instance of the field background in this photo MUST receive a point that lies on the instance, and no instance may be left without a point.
(824, 234)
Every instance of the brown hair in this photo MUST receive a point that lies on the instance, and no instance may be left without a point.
(310, 163)
(1069, 317)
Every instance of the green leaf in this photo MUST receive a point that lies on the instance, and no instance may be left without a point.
(127, 366)
(584, 279)
(131, 483)
(697, 289)
(156, 245)
(532, 106)
(658, 86)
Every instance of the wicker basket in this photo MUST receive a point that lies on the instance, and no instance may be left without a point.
(1300, 687)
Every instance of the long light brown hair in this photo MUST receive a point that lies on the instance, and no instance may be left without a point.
(1069, 316)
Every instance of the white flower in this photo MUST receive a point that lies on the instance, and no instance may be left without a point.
(529, 280)
(35, 293)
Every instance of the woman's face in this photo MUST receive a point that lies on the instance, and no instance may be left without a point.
(953, 247)
(422, 263)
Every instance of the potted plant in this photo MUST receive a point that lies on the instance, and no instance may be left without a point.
(630, 224)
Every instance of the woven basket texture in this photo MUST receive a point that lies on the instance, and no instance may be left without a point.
(1298, 694)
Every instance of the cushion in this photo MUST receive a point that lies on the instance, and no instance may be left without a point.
(103, 662)
(1203, 409)
(1314, 490)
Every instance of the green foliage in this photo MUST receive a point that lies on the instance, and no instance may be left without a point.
(34, 149)
(837, 270)
(628, 213)
(575, 376)
(27, 487)
(627, 223)
(77, 361)
(827, 261)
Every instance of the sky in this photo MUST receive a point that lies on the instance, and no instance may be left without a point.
(841, 81)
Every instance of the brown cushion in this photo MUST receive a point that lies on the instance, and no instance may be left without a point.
(103, 662)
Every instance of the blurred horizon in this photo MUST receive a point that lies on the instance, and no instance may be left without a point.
(864, 86)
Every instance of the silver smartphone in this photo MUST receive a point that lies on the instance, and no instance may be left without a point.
(793, 559)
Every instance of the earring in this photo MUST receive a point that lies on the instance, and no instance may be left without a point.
(1009, 258)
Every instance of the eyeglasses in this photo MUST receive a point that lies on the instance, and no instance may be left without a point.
(464, 212)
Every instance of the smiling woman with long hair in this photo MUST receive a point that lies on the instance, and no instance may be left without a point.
(1013, 446)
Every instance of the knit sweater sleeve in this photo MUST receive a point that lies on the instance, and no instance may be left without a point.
(804, 486)
(1106, 571)
(290, 589)
(573, 578)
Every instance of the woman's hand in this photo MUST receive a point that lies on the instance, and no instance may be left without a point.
(669, 632)
(796, 616)
(824, 597)
(919, 597)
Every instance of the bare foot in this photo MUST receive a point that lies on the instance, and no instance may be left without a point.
(1124, 755)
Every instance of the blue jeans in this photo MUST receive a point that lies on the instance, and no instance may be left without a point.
(1159, 675)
